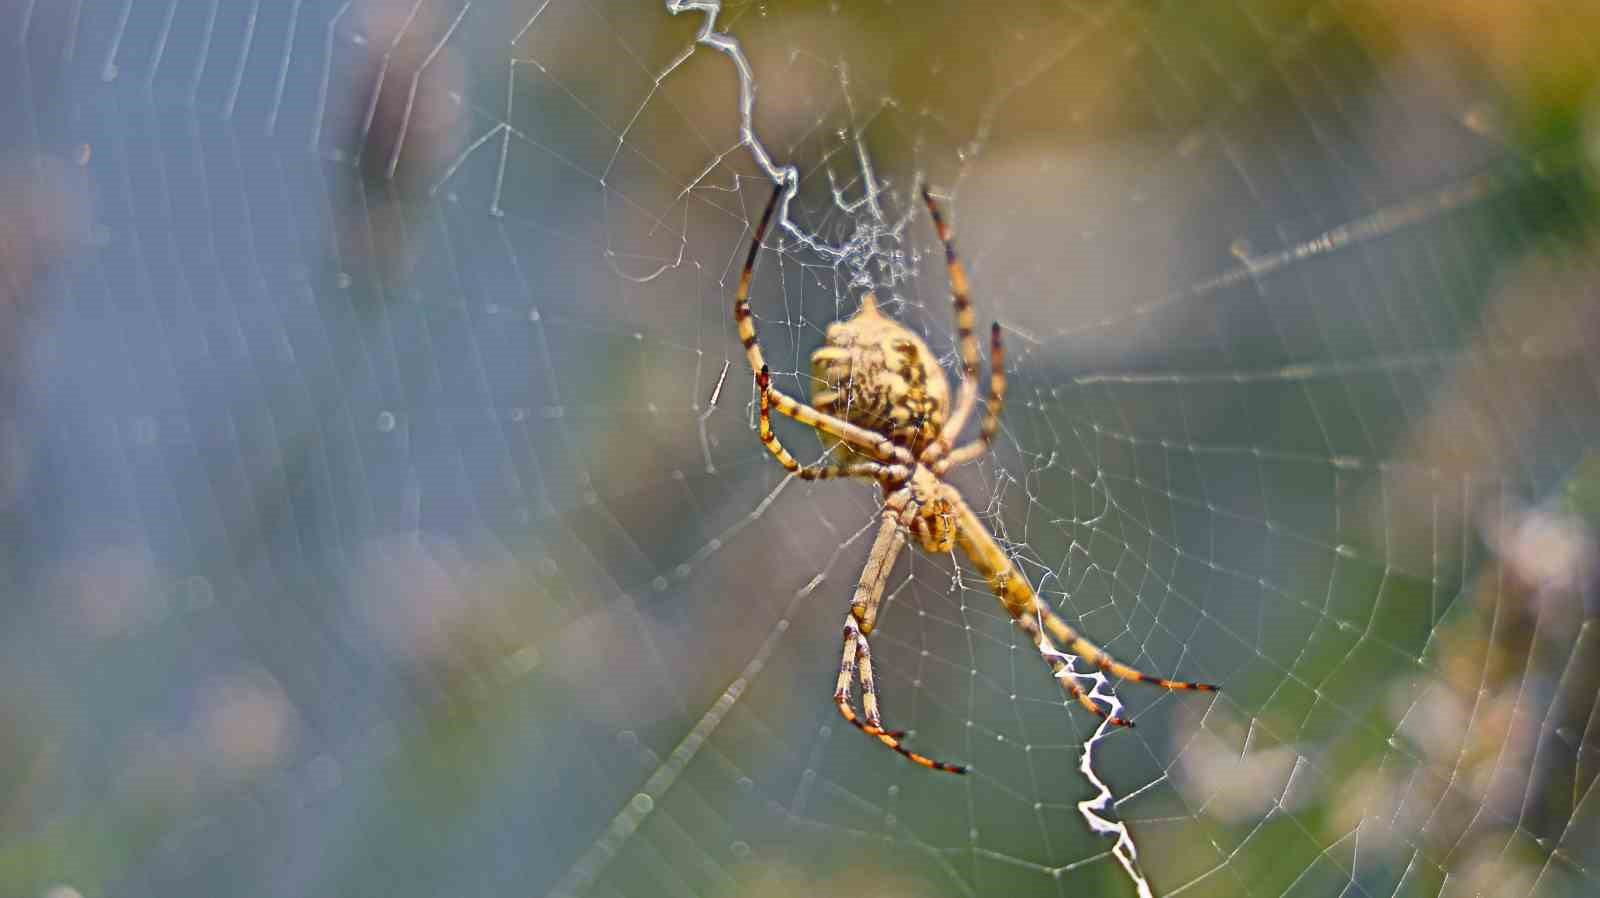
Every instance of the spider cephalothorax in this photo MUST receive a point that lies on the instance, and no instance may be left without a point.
(934, 523)
(876, 374)
(882, 407)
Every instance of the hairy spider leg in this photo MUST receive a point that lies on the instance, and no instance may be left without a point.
(870, 470)
(857, 655)
(1011, 587)
(966, 341)
(991, 415)
(872, 443)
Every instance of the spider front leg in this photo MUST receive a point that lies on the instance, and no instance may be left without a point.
(966, 342)
(857, 656)
(991, 416)
(869, 442)
(866, 469)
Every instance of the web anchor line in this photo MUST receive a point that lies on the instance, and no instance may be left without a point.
(1459, 194)
(627, 821)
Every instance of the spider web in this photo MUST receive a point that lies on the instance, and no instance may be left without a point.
(385, 513)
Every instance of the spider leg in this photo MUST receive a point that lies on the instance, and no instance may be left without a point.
(869, 442)
(857, 655)
(1093, 654)
(991, 415)
(1063, 671)
(886, 548)
(870, 470)
(741, 297)
(856, 652)
(859, 437)
(967, 343)
(1029, 612)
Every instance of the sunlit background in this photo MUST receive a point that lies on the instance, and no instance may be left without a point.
(383, 512)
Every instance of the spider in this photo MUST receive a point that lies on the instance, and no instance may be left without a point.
(882, 407)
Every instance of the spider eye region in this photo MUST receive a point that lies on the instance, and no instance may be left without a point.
(876, 374)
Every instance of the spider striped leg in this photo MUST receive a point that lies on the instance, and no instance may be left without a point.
(857, 653)
(967, 343)
(857, 656)
(865, 469)
(886, 548)
(991, 416)
(1064, 674)
(1028, 611)
(869, 442)
(741, 298)
(1076, 644)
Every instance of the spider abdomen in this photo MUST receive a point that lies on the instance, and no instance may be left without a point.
(876, 374)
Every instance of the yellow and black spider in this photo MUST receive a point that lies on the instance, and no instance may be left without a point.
(881, 403)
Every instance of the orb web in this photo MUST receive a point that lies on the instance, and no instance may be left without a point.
(408, 527)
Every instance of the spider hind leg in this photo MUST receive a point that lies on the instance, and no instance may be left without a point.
(1063, 672)
(1042, 619)
(857, 658)
(1102, 659)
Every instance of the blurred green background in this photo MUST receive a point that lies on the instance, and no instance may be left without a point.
(370, 526)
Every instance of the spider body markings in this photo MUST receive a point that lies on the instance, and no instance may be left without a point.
(883, 409)
(876, 374)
